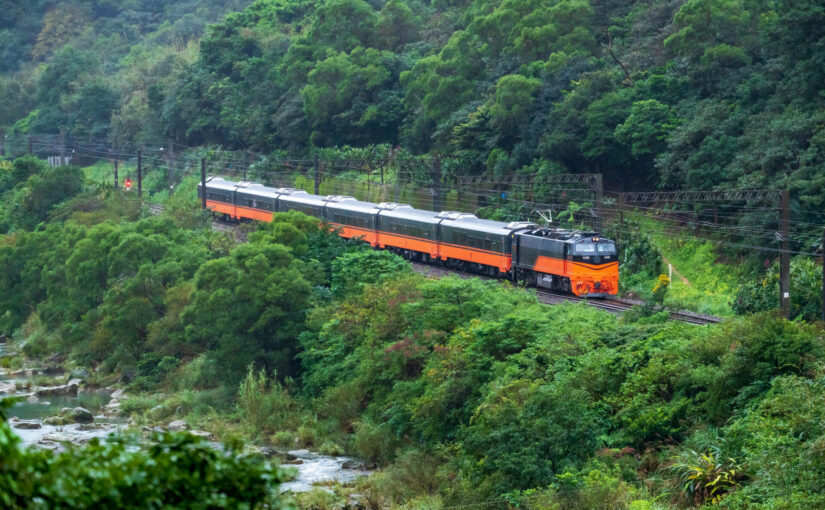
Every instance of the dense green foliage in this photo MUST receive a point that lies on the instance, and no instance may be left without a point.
(689, 93)
(177, 471)
(466, 390)
(806, 291)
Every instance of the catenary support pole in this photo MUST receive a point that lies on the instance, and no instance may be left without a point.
(784, 254)
(621, 210)
(243, 163)
(599, 202)
(203, 183)
(140, 173)
(437, 183)
(116, 168)
(317, 170)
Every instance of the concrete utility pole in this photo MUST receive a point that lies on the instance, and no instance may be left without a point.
(823, 274)
(785, 254)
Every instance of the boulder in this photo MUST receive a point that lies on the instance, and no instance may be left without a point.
(358, 465)
(118, 394)
(27, 425)
(7, 388)
(78, 415)
(32, 399)
(177, 425)
(58, 391)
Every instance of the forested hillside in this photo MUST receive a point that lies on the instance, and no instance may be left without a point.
(663, 94)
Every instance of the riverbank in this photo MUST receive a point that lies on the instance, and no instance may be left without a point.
(55, 410)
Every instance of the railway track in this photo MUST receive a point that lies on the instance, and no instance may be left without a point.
(616, 306)
(613, 305)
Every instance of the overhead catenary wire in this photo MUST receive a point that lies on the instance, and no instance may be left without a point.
(415, 171)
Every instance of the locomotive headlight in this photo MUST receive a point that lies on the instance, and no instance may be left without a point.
(597, 285)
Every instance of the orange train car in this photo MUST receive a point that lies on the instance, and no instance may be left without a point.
(582, 263)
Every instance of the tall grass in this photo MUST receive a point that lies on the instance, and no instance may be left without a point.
(264, 405)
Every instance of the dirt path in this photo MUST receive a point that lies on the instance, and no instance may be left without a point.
(678, 274)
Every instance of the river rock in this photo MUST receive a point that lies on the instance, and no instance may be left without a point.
(112, 408)
(177, 425)
(358, 465)
(118, 394)
(56, 420)
(7, 388)
(48, 444)
(201, 433)
(32, 399)
(268, 452)
(80, 373)
(56, 391)
(27, 425)
(52, 370)
(26, 372)
(85, 427)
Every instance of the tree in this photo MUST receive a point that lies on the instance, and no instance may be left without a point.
(646, 128)
(248, 308)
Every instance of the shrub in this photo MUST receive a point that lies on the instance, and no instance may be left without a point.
(806, 291)
(171, 470)
(706, 477)
(264, 405)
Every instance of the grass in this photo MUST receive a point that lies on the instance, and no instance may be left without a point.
(712, 285)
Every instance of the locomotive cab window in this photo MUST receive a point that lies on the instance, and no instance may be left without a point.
(585, 249)
(607, 248)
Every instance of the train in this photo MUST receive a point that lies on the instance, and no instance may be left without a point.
(572, 261)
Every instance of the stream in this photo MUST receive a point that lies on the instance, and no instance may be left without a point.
(310, 467)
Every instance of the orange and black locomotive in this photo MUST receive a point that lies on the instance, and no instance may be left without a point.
(583, 263)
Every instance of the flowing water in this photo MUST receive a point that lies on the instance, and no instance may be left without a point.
(315, 468)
